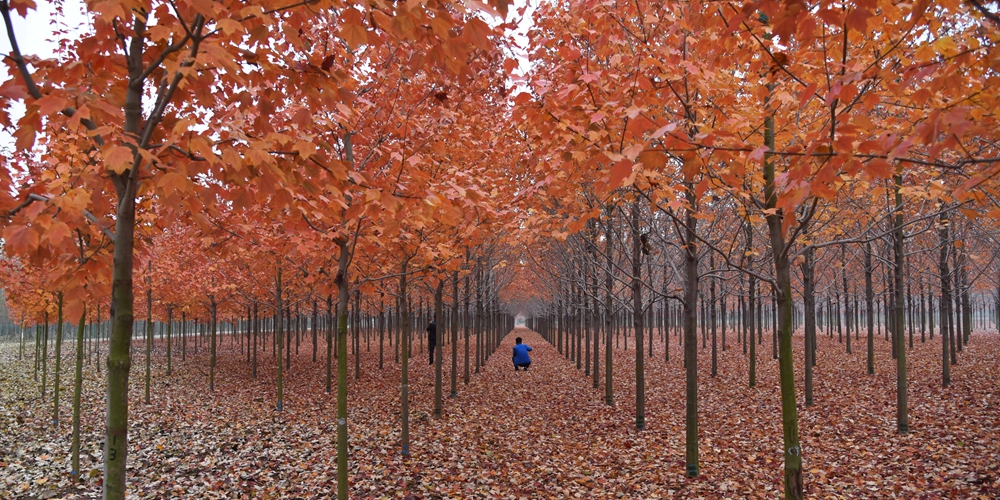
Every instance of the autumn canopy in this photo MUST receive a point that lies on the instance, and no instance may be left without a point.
(242, 175)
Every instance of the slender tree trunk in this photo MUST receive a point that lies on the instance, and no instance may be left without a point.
(711, 288)
(945, 299)
(289, 334)
(690, 304)
(454, 335)
(637, 319)
(922, 297)
(77, 390)
(966, 305)
(438, 314)
(342, 281)
(381, 331)
(809, 306)
(480, 330)
(789, 411)
(870, 306)
(902, 410)
(847, 296)
(608, 312)
(119, 361)
(330, 325)
(404, 343)
(467, 325)
(751, 318)
(314, 333)
(279, 339)
(211, 369)
(595, 315)
(723, 313)
(256, 333)
(149, 331)
(585, 316)
(56, 388)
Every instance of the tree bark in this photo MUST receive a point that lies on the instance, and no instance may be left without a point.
(637, 320)
(77, 390)
(404, 343)
(279, 340)
(341, 281)
(608, 312)
(789, 411)
(454, 335)
(902, 406)
(870, 306)
(55, 382)
(809, 306)
(711, 288)
(690, 252)
(149, 327)
(438, 314)
(945, 299)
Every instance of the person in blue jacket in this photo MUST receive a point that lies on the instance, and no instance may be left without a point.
(521, 358)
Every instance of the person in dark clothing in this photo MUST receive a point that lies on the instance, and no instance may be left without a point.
(521, 358)
(432, 338)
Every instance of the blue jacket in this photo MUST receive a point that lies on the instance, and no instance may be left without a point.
(521, 354)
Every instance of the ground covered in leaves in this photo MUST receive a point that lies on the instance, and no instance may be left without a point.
(544, 433)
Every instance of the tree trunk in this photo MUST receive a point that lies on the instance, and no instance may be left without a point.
(809, 306)
(279, 340)
(594, 311)
(966, 306)
(170, 320)
(690, 251)
(256, 333)
(330, 325)
(55, 382)
(847, 296)
(454, 335)
(637, 319)
(711, 289)
(357, 334)
(341, 281)
(77, 390)
(149, 328)
(480, 330)
(902, 410)
(608, 312)
(467, 325)
(945, 299)
(211, 369)
(404, 343)
(438, 313)
(381, 331)
(751, 318)
(789, 411)
(870, 306)
(119, 361)
(314, 333)
(289, 330)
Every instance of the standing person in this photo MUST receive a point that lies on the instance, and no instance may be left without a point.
(432, 337)
(521, 358)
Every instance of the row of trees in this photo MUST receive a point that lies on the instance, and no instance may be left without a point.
(779, 152)
(255, 154)
(257, 322)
